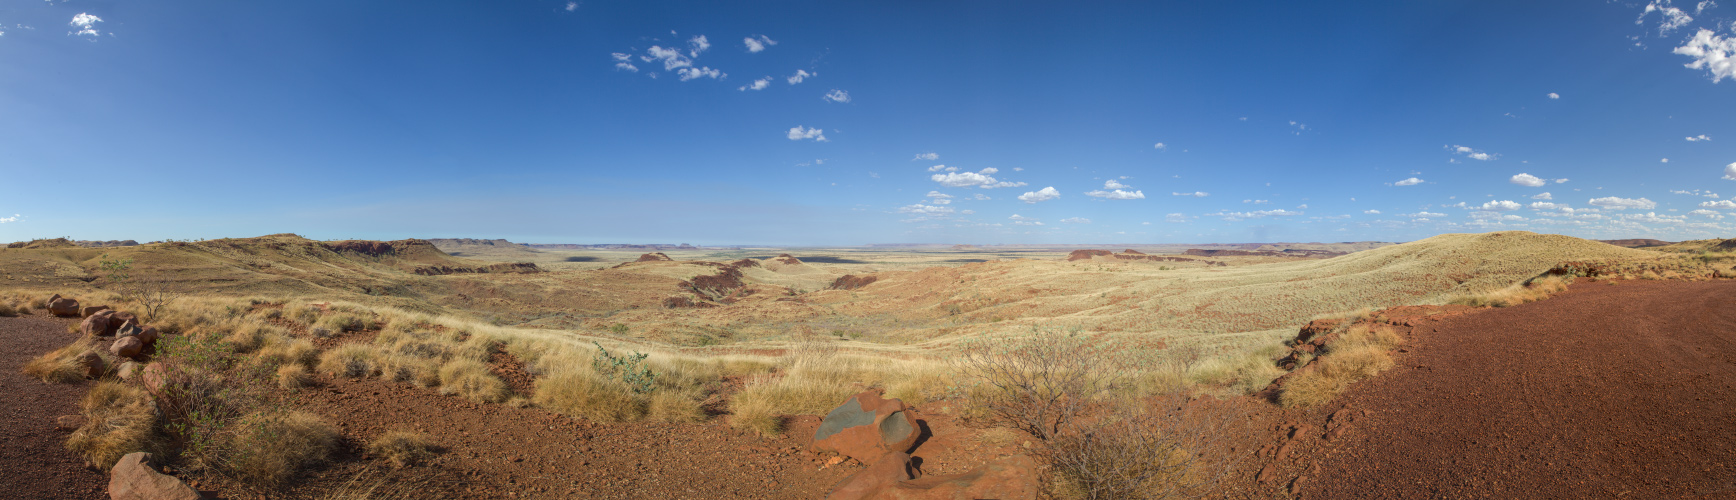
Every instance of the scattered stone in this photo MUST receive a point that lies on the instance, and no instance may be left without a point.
(1011, 478)
(128, 329)
(120, 318)
(60, 306)
(68, 423)
(890, 468)
(148, 335)
(92, 363)
(86, 311)
(97, 324)
(127, 347)
(867, 426)
(136, 478)
(128, 370)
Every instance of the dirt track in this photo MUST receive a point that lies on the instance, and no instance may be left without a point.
(34, 462)
(1605, 391)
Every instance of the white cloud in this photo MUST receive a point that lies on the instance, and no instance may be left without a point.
(1701, 7)
(1528, 180)
(1259, 202)
(937, 194)
(1471, 153)
(699, 44)
(1543, 196)
(1500, 206)
(1423, 214)
(1723, 204)
(925, 210)
(1665, 160)
(1698, 138)
(1371, 212)
(837, 96)
(86, 24)
(1020, 217)
(1672, 18)
(1076, 220)
(1707, 213)
(759, 84)
(799, 133)
(1175, 218)
(1559, 181)
(937, 168)
(671, 58)
(1257, 214)
(1730, 172)
(799, 76)
(1045, 194)
(13, 218)
(1553, 95)
(926, 156)
(981, 179)
(1196, 194)
(1408, 182)
(1713, 53)
(1545, 205)
(1159, 146)
(1614, 203)
(980, 197)
(691, 73)
(1027, 223)
(967, 212)
(757, 44)
(1113, 184)
(1117, 194)
(572, 6)
(627, 66)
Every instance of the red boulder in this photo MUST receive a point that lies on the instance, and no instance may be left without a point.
(867, 426)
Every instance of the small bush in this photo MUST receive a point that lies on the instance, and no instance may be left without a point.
(268, 448)
(293, 376)
(345, 322)
(472, 380)
(756, 410)
(404, 448)
(7, 310)
(119, 419)
(1515, 295)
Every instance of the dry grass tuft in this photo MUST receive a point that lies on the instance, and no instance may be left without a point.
(293, 377)
(471, 379)
(1514, 295)
(350, 360)
(404, 448)
(61, 366)
(583, 393)
(7, 310)
(119, 419)
(1361, 352)
(268, 448)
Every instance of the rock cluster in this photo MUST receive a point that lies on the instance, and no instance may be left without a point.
(881, 432)
(134, 477)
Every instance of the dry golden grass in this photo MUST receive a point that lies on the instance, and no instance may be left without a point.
(1514, 295)
(472, 380)
(404, 448)
(119, 419)
(350, 360)
(1360, 352)
(268, 448)
(293, 376)
(583, 393)
(62, 366)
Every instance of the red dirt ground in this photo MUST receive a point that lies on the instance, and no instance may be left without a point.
(34, 462)
(1604, 391)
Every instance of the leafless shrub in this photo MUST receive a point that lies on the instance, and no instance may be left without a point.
(1170, 449)
(1038, 383)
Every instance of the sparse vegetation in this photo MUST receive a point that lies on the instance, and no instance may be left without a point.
(119, 419)
(404, 448)
(266, 448)
(63, 365)
(1362, 351)
(1514, 295)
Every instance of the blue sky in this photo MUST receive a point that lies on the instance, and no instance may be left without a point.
(818, 123)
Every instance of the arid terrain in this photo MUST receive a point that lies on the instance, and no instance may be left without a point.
(1487, 365)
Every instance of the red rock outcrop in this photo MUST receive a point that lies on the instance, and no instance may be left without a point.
(653, 257)
(867, 426)
(61, 306)
(135, 477)
(851, 282)
(885, 471)
(1087, 254)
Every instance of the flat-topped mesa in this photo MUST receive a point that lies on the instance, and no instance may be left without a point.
(1087, 254)
(383, 248)
(784, 258)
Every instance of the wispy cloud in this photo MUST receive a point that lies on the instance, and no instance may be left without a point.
(837, 96)
(1159, 146)
(1408, 182)
(624, 62)
(980, 179)
(1698, 138)
(1257, 214)
(926, 156)
(703, 72)
(800, 75)
(798, 133)
(759, 84)
(1471, 153)
(1671, 18)
(1176, 218)
(1076, 220)
(1196, 194)
(13, 218)
(1721, 204)
(1616, 203)
(757, 43)
(1045, 194)
(1371, 212)
(1543, 196)
(1499, 206)
(572, 6)
(1116, 194)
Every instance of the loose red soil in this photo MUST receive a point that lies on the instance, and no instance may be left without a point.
(1604, 391)
(33, 456)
